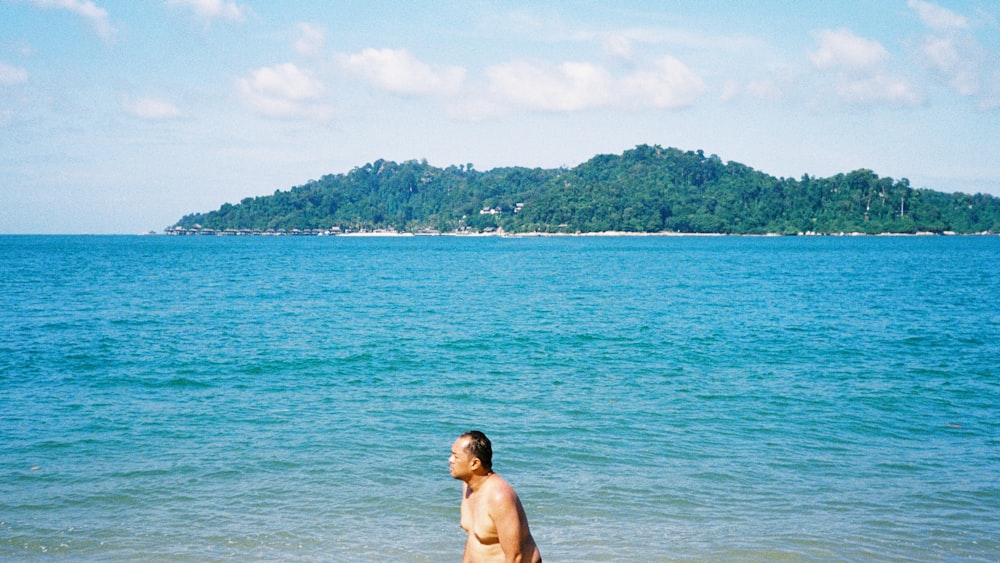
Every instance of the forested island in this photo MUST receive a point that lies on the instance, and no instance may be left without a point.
(648, 189)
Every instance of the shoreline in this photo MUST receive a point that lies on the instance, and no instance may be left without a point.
(397, 234)
(500, 234)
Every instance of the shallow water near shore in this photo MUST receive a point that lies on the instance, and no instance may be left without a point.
(650, 398)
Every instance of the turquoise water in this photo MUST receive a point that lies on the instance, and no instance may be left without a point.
(651, 399)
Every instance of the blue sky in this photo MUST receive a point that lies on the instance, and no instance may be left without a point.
(120, 116)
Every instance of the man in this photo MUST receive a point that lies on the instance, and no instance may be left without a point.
(491, 512)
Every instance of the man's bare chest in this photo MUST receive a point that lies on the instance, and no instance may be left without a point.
(476, 518)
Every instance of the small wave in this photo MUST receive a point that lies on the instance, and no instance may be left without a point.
(357, 358)
(182, 383)
(466, 345)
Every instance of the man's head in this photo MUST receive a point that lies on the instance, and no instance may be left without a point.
(471, 454)
(480, 447)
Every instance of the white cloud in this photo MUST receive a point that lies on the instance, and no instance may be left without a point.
(209, 9)
(574, 86)
(150, 108)
(284, 90)
(860, 69)
(285, 81)
(730, 90)
(97, 16)
(760, 89)
(936, 17)
(396, 70)
(764, 89)
(618, 45)
(841, 49)
(310, 40)
(11, 75)
(944, 56)
(876, 89)
(668, 84)
(955, 56)
(569, 86)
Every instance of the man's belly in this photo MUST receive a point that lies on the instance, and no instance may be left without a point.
(478, 552)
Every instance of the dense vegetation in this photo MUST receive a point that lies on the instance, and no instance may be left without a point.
(646, 189)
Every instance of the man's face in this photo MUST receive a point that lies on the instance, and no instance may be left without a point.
(460, 462)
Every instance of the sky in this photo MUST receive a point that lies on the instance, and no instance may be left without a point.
(121, 116)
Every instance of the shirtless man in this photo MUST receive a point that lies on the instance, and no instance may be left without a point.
(491, 512)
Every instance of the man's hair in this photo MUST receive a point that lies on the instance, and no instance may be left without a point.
(479, 446)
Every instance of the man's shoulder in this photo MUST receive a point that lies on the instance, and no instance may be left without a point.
(500, 490)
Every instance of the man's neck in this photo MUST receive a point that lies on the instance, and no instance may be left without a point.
(477, 481)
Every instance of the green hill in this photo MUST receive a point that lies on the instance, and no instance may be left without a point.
(646, 189)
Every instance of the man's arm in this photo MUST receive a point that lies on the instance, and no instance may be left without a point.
(504, 509)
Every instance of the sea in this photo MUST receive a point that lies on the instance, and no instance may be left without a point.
(649, 398)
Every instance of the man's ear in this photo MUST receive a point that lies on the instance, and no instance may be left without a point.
(475, 463)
